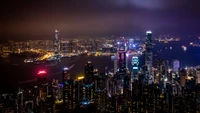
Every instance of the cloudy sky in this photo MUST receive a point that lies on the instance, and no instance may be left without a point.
(29, 19)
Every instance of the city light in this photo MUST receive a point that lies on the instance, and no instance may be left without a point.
(148, 32)
(165, 79)
(106, 74)
(65, 69)
(135, 67)
(42, 72)
(81, 77)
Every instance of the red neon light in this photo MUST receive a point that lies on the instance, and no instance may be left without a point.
(42, 72)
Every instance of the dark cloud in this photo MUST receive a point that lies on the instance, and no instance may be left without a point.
(33, 18)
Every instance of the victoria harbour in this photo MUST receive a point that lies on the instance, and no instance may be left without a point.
(26, 73)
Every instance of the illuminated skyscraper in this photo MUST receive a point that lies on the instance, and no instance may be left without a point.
(64, 46)
(100, 99)
(42, 91)
(148, 52)
(114, 59)
(89, 91)
(115, 66)
(131, 44)
(122, 62)
(198, 75)
(56, 42)
(89, 72)
(175, 66)
(70, 95)
(42, 77)
(135, 63)
(70, 89)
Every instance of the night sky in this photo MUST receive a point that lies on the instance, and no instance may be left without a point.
(31, 19)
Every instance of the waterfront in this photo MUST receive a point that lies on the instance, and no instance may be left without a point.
(14, 74)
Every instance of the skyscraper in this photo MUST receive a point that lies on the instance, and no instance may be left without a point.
(100, 99)
(135, 68)
(183, 74)
(89, 72)
(64, 46)
(121, 62)
(126, 87)
(70, 88)
(148, 52)
(175, 66)
(198, 75)
(89, 91)
(70, 95)
(56, 42)
(41, 77)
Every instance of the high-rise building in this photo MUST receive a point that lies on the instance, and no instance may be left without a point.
(100, 99)
(42, 77)
(126, 87)
(148, 51)
(99, 82)
(64, 46)
(175, 66)
(112, 104)
(89, 91)
(115, 66)
(131, 44)
(121, 62)
(70, 95)
(198, 75)
(50, 100)
(89, 72)
(114, 58)
(183, 75)
(42, 85)
(56, 43)
(162, 69)
(135, 68)
(70, 91)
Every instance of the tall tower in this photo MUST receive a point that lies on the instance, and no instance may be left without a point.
(148, 52)
(89, 72)
(69, 90)
(56, 42)
(42, 84)
(176, 66)
(135, 66)
(122, 61)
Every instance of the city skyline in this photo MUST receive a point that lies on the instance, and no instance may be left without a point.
(38, 19)
(100, 75)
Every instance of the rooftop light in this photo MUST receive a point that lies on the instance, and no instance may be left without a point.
(42, 72)
(148, 32)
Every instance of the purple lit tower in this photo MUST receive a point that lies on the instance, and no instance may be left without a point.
(56, 42)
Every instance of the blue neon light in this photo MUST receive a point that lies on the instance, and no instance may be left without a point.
(135, 67)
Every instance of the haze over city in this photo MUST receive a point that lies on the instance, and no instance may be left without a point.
(38, 19)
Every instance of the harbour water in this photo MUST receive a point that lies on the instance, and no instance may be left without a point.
(19, 72)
